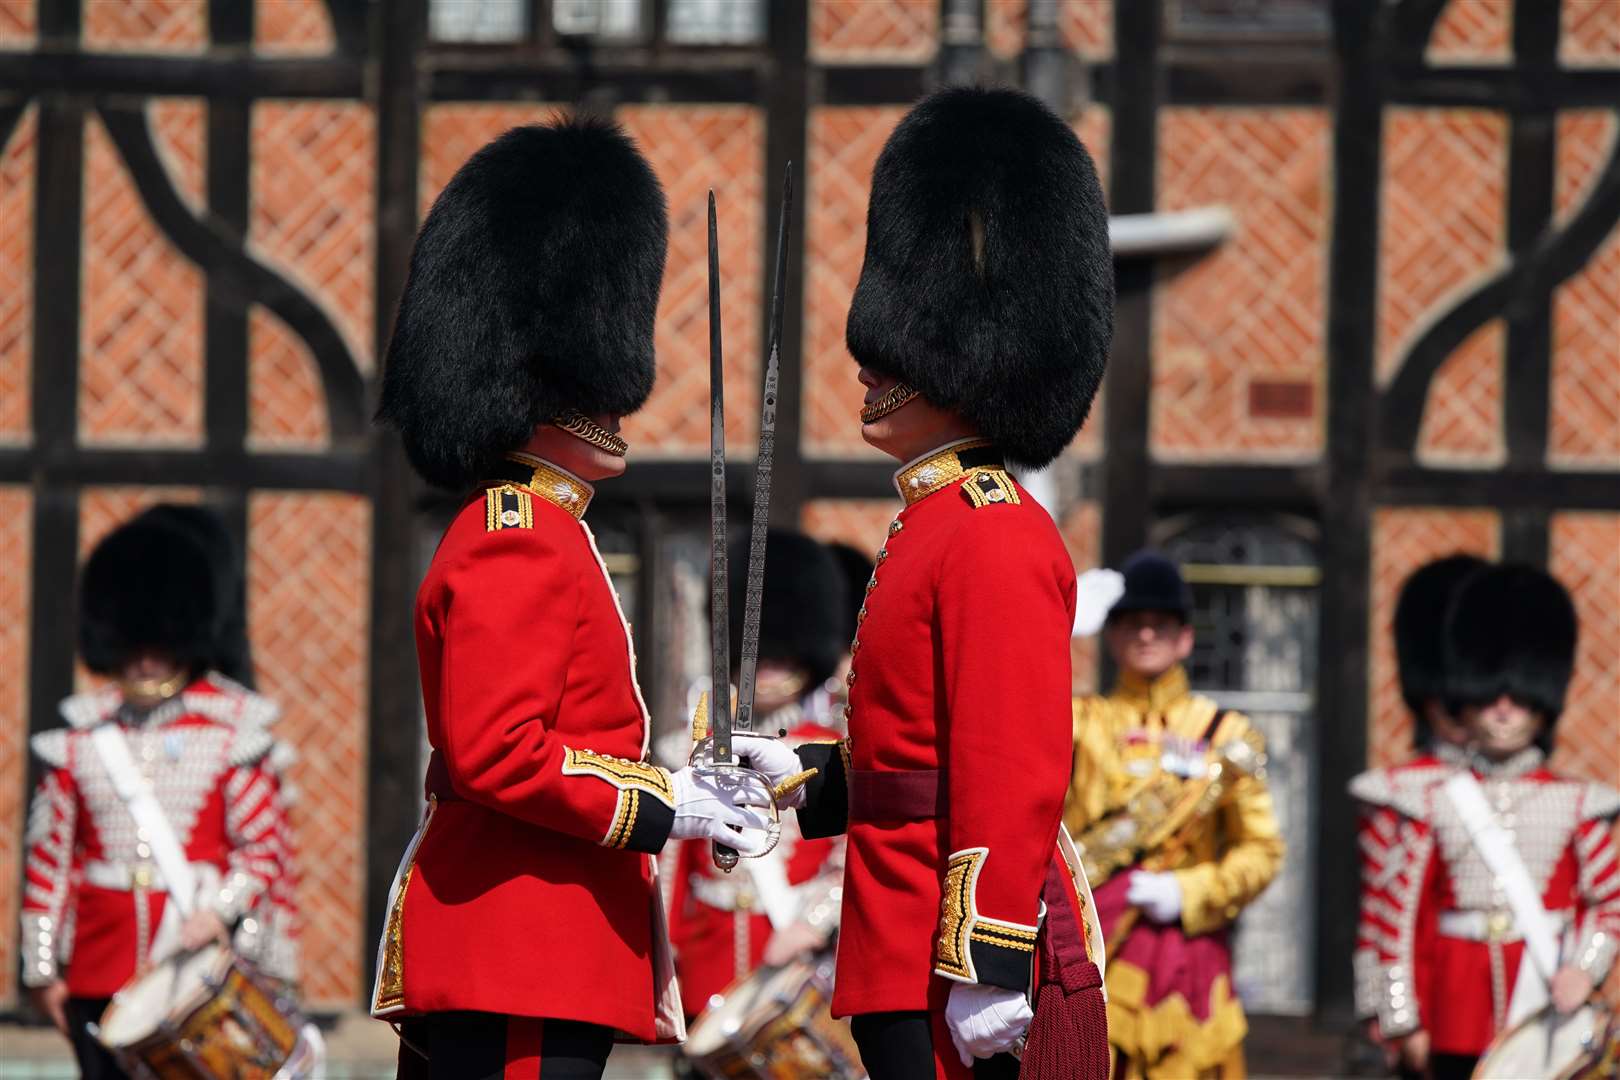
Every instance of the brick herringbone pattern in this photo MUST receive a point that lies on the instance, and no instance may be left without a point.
(1254, 308)
(146, 25)
(1473, 31)
(309, 559)
(1442, 226)
(1591, 32)
(1087, 26)
(694, 148)
(17, 280)
(1586, 559)
(1585, 420)
(1462, 420)
(286, 402)
(1403, 540)
(313, 203)
(292, 27)
(19, 23)
(1081, 527)
(849, 30)
(141, 326)
(844, 146)
(863, 524)
(453, 133)
(16, 540)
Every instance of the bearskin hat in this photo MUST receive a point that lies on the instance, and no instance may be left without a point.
(532, 290)
(1152, 583)
(1420, 625)
(802, 616)
(1511, 630)
(148, 585)
(233, 655)
(857, 568)
(988, 283)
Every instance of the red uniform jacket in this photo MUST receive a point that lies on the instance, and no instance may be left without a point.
(94, 899)
(1451, 950)
(527, 891)
(961, 665)
(717, 922)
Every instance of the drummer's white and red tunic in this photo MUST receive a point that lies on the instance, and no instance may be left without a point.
(1438, 930)
(93, 898)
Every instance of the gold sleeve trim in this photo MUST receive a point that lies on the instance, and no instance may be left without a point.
(1007, 935)
(624, 818)
(621, 773)
(957, 913)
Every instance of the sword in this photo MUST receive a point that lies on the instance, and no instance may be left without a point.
(722, 722)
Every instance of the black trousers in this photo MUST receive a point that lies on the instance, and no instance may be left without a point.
(1451, 1066)
(489, 1046)
(900, 1046)
(95, 1061)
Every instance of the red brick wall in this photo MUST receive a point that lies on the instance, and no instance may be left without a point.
(16, 279)
(16, 541)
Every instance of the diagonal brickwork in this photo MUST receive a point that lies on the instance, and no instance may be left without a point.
(1254, 309)
(293, 27)
(141, 364)
(146, 25)
(19, 23)
(16, 571)
(845, 31)
(286, 401)
(1590, 32)
(17, 280)
(1473, 32)
(1586, 559)
(1462, 419)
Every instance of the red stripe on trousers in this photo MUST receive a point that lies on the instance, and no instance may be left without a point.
(523, 1034)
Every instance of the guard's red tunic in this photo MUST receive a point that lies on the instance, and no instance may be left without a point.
(961, 665)
(527, 891)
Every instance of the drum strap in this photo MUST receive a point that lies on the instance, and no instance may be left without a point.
(1501, 857)
(136, 792)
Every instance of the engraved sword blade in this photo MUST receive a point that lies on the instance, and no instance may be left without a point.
(719, 573)
(762, 473)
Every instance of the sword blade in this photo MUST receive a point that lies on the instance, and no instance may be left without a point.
(762, 473)
(719, 573)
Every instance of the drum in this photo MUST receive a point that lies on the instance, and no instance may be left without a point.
(775, 1024)
(1547, 1046)
(203, 1015)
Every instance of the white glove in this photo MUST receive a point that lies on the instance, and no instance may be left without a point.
(986, 1020)
(1158, 895)
(771, 757)
(707, 809)
(1094, 597)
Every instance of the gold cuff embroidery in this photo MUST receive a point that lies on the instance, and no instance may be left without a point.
(1007, 935)
(956, 913)
(622, 774)
(624, 819)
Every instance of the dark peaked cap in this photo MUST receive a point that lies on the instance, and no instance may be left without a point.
(1420, 624)
(988, 283)
(533, 288)
(1511, 630)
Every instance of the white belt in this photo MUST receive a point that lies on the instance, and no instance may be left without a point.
(127, 875)
(725, 895)
(1497, 926)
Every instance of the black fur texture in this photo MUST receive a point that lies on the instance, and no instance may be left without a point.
(232, 654)
(1420, 629)
(533, 289)
(1153, 583)
(1511, 630)
(802, 617)
(148, 585)
(988, 282)
(857, 567)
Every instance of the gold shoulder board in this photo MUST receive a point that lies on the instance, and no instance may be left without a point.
(987, 486)
(508, 507)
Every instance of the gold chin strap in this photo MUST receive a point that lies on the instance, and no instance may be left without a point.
(900, 395)
(583, 427)
(145, 693)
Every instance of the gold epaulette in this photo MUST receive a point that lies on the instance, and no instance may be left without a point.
(989, 486)
(508, 507)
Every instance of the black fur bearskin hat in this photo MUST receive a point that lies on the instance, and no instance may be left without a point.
(148, 585)
(1420, 630)
(802, 617)
(233, 656)
(988, 283)
(1511, 630)
(532, 290)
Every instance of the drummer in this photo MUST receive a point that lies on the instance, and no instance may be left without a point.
(155, 619)
(783, 906)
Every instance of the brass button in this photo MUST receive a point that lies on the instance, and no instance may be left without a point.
(882, 556)
(895, 526)
(849, 680)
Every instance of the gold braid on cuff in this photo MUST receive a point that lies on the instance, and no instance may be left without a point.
(583, 427)
(900, 395)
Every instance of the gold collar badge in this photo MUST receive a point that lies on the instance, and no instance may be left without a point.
(557, 486)
(939, 468)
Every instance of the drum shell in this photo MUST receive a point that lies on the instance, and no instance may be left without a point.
(787, 1032)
